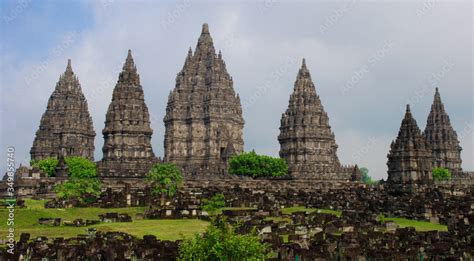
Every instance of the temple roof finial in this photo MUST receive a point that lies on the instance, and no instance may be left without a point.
(408, 108)
(68, 68)
(129, 70)
(205, 28)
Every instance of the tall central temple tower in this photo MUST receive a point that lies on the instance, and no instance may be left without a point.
(203, 118)
(306, 141)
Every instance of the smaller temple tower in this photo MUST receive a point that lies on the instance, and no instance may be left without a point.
(307, 142)
(442, 138)
(410, 158)
(127, 150)
(66, 127)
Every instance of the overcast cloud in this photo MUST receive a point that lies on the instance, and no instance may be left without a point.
(367, 60)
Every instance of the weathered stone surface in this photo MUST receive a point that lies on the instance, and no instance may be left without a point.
(127, 150)
(442, 138)
(410, 159)
(203, 119)
(66, 127)
(306, 140)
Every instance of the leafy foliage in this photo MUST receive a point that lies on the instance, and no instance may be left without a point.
(221, 242)
(82, 180)
(441, 174)
(217, 201)
(79, 167)
(78, 188)
(254, 165)
(365, 176)
(47, 165)
(164, 179)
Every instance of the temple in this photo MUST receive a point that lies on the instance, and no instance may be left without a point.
(66, 126)
(127, 150)
(307, 142)
(204, 129)
(442, 138)
(410, 158)
(203, 120)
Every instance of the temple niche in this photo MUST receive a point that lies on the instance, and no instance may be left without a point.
(203, 121)
(66, 126)
(127, 150)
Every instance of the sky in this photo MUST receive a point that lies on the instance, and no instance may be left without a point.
(367, 60)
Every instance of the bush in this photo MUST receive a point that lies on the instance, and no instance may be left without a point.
(365, 176)
(82, 180)
(77, 188)
(79, 167)
(47, 165)
(254, 165)
(164, 179)
(217, 201)
(221, 242)
(441, 174)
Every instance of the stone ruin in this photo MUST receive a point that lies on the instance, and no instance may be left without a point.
(356, 233)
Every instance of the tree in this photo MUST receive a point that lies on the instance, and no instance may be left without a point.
(440, 174)
(47, 165)
(217, 201)
(82, 180)
(221, 242)
(254, 165)
(78, 188)
(80, 167)
(365, 176)
(164, 179)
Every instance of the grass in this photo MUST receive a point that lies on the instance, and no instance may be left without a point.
(291, 210)
(26, 220)
(278, 219)
(418, 225)
(219, 211)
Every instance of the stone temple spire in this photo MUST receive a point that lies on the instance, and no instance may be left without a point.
(127, 134)
(442, 137)
(66, 126)
(409, 159)
(306, 140)
(203, 114)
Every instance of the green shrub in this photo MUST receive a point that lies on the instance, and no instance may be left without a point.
(254, 165)
(47, 165)
(440, 174)
(79, 167)
(365, 176)
(221, 242)
(164, 179)
(83, 183)
(217, 201)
